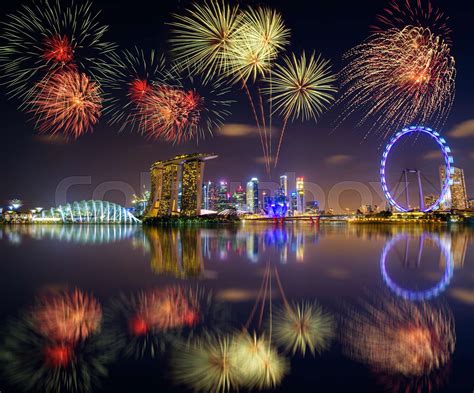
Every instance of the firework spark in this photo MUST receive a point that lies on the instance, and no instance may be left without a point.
(128, 81)
(303, 327)
(401, 338)
(67, 102)
(67, 317)
(48, 36)
(189, 109)
(205, 35)
(399, 77)
(301, 88)
(417, 13)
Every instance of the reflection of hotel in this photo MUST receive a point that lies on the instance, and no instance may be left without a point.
(165, 178)
(456, 197)
(457, 243)
(177, 253)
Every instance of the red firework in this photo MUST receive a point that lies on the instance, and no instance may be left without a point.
(163, 310)
(418, 13)
(171, 113)
(138, 90)
(66, 102)
(58, 355)
(67, 317)
(58, 49)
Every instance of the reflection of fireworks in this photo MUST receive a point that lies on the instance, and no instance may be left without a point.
(259, 365)
(303, 327)
(399, 77)
(206, 365)
(148, 322)
(401, 338)
(67, 317)
(130, 78)
(35, 364)
(422, 13)
(67, 102)
(204, 36)
(47, 36)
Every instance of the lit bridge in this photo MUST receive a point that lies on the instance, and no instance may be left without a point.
(88, 212)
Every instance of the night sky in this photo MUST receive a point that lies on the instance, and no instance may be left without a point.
(32, 166)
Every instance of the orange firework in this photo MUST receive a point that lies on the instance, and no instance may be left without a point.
(66, 102)
(418, 13)
(159, 310)
(399, 77)
(138, 89)
(171, 113)
(401, 338)
(67, 317)
(58, 49)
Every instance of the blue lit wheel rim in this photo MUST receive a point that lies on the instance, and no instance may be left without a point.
(448, 160)
(418, 295)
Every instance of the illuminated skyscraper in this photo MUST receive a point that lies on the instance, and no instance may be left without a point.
(205, 196)
(284, 185)
(456, 197)
(223, 202)
(300, 191)
(252, 195)
(294, 202)
(239, 198)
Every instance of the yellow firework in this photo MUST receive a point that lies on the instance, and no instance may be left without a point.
(262, 34)
(303, 327)
(204, 36)
(259, 365)
(398, 77)
(303, 87)
(207, 365)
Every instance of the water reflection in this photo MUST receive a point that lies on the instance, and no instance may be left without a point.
(408, 345)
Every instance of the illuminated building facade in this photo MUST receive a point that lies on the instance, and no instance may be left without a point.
(166, 177)
(456, 197)
(284, 185)
(239, 198)
(223, 201)
(300, 192)
(252, 195)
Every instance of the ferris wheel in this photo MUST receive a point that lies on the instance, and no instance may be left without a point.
(448, 170)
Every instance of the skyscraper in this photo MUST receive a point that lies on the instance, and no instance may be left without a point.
(300, 191)
(223, 196)
(252, 195)
(456, 197)
(238, 198)
(284, 185)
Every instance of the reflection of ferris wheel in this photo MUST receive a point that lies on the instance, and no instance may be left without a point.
(448, 160)
(424, 294)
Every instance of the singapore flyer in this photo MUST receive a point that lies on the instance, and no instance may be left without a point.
(447, 163)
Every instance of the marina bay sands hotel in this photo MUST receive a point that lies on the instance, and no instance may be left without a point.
(166, 176)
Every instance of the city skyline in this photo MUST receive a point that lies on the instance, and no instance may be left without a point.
(321, 153)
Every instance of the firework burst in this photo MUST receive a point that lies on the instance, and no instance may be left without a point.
(48, 36)
(189, 109)
(399, 77)
(67, 317)
(301, 88)
(129, 79)
(204, 37)
(417, 13)
(67, 102)
(303, 327)
(397, 337)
